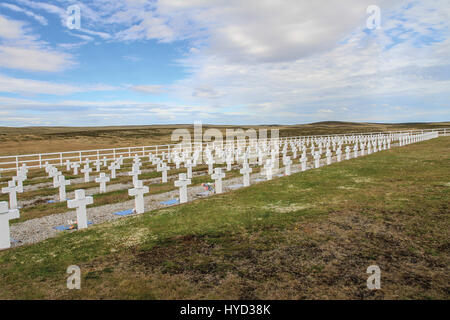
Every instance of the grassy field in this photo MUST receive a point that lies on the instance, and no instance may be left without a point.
(308, 236)
(31, 140)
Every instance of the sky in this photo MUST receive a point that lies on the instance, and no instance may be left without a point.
(137, 62)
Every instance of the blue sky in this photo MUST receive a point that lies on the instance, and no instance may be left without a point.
(223, 62)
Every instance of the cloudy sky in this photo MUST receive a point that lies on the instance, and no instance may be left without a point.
(223, 61)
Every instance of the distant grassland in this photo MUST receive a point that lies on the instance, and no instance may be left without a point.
(30, 140)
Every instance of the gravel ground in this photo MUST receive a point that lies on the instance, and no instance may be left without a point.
(39, 229)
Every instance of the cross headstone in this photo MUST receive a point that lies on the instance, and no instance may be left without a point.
(97, 165)
(229, 161)
(287, 165)
(339, 154)
(19, 178)
(182, 183)
(62, 183)
(268, 169)
(163, 168)
(68, 165)
(189, 166)
(303, 160)
(135, 174)
(138, 192)
(12, 190)
(54, 173)
(80, 202)
(217, 177)
(328, 154)
(113, 167)
(246, 170)
(102, 179)
(5, 215)
(75, 167)
(316, 159)
(86, 170)
(210, 163)
(347, 153)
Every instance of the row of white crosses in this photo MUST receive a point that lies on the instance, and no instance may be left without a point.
(226, 154)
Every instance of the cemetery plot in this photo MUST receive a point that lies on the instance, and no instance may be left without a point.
(287, 238)
(268, 153)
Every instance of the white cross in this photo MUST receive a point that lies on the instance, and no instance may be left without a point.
(182, 183)
(347, 153)
(339, 154)
(268, 169)
(189, 166)
(75, 167)
(102, 179)
(229, 161)
(217, 177)
(177, 161)
(80, 202)
(303, 160)
(97, 164)
(246, 170)
(62, 183)
(25, 168)
(287, 163)
(317, 159)
(67, 165)
(355, 150)
(47, 167)
(105, 163)
(138, 192)
(6, 215)
(113, 167)
(328, 154)
(163, 167)
(135, 174)
(12, 189)
(86, 171)
(20, 178)
(54, 173)
(210, 163)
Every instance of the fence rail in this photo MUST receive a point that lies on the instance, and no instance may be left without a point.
(10, 163)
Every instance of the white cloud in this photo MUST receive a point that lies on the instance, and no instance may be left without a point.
(21, 50)
(149, 88)
(34, 59)
(28, 86)
(10, 29)
(37, 17)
